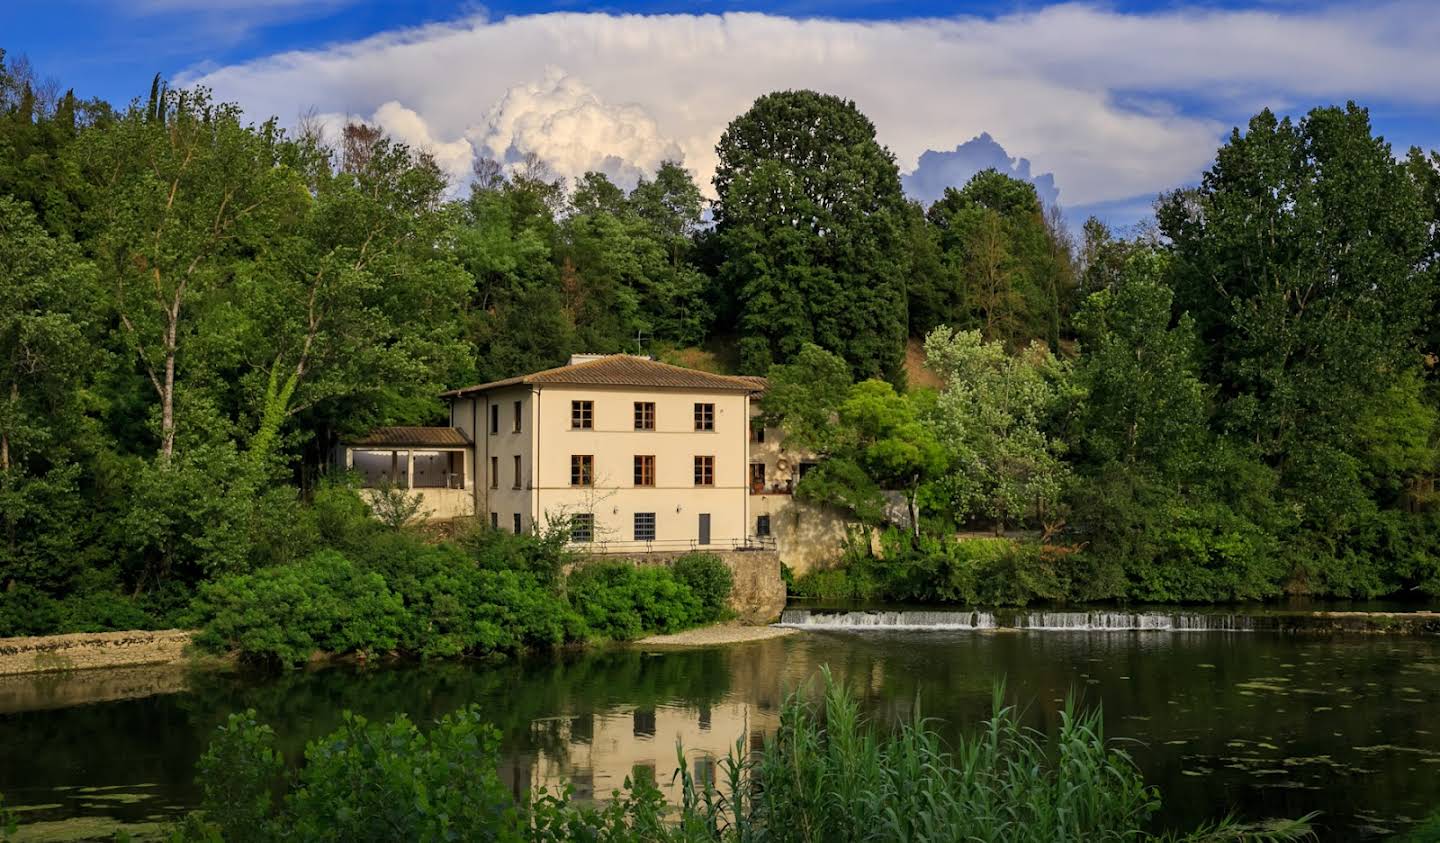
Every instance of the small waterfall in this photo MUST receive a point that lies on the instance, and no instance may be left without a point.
(912, 619)
(1050, 621)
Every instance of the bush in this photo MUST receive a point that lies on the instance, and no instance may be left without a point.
(284, 614)
(621, 601)
(709, 579)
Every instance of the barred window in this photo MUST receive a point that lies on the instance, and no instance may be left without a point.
(704, 471)
(644, 470)
(582, 470)
(582, 527)
(704, 416)
(644, 526)
(762, 525)
(582, 415)
(644, 415)
(517, 523)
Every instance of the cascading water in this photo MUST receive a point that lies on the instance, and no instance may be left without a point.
(920, 620)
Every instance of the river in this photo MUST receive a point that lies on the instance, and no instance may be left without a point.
(1257, 723)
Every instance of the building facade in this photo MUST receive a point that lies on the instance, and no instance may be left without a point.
(627, 453)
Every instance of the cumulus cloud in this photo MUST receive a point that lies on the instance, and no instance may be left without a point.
(939, 170)
(568, 125)
(1115, 104)
(453, 157)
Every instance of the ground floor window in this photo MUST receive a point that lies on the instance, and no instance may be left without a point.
(494, 520)
(762, 525)
(582, 527)
(644, 526)
(517, 523)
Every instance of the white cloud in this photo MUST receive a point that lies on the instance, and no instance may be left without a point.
(1090, 94)
(564, 122)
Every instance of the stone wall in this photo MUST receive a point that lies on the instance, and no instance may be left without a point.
(758, 593)
(85, 650)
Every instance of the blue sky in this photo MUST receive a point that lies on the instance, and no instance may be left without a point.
(1112, 102)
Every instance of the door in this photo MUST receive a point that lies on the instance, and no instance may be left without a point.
(704, 528)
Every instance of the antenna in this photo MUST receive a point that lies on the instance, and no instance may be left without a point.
(640, 338)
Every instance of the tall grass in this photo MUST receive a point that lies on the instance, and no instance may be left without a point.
(826, 776)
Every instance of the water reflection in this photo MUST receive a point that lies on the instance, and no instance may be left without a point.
(1261, 724)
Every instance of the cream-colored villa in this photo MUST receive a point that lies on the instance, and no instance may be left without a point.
(631, 454)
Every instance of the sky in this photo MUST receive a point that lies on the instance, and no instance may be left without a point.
(1103, 105)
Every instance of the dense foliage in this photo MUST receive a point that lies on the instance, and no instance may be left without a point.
(825, 775)
(481, 594)
(194, 309)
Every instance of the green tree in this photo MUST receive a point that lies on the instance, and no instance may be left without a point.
(47, 330)
(1306, 261)
(354, 303)
(993, 415)
(182, 189)
(1007, 263)
(812, 226)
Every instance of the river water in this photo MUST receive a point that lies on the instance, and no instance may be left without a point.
(1256, 723)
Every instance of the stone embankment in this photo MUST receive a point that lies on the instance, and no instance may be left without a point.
(87, 650)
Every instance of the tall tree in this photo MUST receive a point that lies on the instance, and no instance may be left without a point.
(812, 223)
(1305, 259)
(183, 189)
(1008, 256)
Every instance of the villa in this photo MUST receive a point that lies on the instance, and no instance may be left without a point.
(630, 454)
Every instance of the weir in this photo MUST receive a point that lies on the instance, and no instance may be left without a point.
(920, 620)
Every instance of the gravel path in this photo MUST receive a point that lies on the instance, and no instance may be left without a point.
(707, 636)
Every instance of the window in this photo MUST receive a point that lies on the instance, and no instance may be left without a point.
(757, 477)
(494, 472)
(645, 470)
(762, 525)
(517, 471)
(582, 415)
(704, 416)
(644, 415)
(582, 470)
(757, 431)
(644, 526)
(644, 724)
(494, 520)
(516, 428)
(582, 527)
(494, 418)
(704, 471)
(807, 467)
(517, 523)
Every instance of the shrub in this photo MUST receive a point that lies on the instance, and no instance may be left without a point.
(709, 579)
(621, 601)
(284, 614)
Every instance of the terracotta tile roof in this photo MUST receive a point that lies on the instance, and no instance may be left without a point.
(622, 370)
(413, 437)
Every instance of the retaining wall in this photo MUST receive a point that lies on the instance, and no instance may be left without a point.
(86, 650)
(757, 594)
